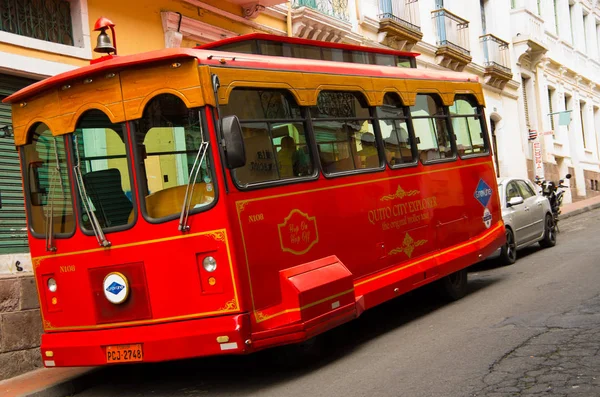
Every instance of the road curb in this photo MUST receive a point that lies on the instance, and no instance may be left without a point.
(579, 211)
(69, 386)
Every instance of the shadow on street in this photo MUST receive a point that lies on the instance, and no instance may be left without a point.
(246, 374)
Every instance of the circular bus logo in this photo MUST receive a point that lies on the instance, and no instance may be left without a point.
(116, 288)
(487, 218)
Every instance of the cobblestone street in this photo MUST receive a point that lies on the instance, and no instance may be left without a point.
(563, 359)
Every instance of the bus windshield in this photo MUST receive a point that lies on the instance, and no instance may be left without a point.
(169, 137)
(104, 178)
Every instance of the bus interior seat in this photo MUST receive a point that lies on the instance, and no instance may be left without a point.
(105, 190)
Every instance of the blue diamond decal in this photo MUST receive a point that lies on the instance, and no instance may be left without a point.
(483, 193)
(115, 288)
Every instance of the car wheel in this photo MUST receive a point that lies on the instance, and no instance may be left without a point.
(508, 253)
(549, 239)
(454, 286)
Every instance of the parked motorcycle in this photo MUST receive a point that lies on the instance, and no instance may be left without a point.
(551, 191)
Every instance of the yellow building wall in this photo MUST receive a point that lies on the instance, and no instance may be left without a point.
(139, 28)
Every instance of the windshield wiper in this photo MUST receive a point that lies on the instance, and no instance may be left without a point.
(50, 213)
(189, 190)
(85, 201)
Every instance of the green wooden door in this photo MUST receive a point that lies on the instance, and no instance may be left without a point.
(13, 235)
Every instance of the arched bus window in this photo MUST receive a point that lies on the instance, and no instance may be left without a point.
(467, 123)
(47, 186)
(431, 128)
(168, 139)
(105, 188)
(392, 117)
(274, 135)
(344, 134)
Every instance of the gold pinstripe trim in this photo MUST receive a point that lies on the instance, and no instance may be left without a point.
(261, 317)
(219, 235)
(241, 205)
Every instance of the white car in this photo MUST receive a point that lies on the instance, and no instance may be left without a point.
(527, 217)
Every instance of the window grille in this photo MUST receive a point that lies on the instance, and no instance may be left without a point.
(48, 20)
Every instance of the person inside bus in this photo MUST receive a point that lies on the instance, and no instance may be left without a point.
(285, 157)
(398, 151)
(368, 156)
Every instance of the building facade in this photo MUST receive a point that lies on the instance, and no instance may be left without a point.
(557, 48)
(534, 58)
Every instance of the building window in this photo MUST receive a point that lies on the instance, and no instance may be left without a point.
(524, 84)
(53, 26)
(556, 17)
(550, 98)
(49, 21)
(571, 15)
(582, 117)
(585, 32)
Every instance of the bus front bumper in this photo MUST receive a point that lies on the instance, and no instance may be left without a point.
(159, 342)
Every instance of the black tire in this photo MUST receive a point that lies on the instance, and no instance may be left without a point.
(454, 286)
(508, 253)
(549, 239)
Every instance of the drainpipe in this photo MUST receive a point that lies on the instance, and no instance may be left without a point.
(290, 33)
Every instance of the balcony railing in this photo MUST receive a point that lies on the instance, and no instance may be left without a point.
(451, 31)
(403, 12)
(335, 8)
(495, 51)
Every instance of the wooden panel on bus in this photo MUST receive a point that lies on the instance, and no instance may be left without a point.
(178, 77)
(231, 78)
(40, 107)
(101, 92)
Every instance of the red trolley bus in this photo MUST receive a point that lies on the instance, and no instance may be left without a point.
(194, 202)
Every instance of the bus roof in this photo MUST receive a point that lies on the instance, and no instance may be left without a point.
(250, 61)
(297, 40)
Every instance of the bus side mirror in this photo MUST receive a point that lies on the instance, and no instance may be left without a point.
(235, 152)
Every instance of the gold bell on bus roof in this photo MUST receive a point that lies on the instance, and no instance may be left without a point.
(104, 45)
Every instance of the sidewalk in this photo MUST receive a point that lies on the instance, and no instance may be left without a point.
(572, 209)
(50, 382)
(60, 382)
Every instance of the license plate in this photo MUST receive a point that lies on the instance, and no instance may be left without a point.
(124, 353)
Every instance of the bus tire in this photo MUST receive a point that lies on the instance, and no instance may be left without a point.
(454, 286)
(549, 239)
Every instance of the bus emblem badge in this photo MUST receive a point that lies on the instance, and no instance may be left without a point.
(116, 288)
(487, 218)
(483, 193)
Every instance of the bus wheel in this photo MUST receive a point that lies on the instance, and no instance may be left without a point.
(454, 286)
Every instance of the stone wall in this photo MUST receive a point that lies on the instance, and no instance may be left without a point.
(20, 325)
(592, 183)
(530, 170)
(551, 172)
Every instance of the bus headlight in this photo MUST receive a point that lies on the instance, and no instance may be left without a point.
(51, 285)
(210, 264)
